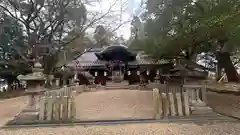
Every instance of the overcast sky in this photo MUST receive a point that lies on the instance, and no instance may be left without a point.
(131, 8)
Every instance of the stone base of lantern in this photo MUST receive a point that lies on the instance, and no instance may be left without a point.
(33, 102)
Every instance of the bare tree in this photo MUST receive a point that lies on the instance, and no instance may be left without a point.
(109, 17)
(48, 22)
(45, 21)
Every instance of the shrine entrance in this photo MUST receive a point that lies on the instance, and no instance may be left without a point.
(117, 76)
(117, 69)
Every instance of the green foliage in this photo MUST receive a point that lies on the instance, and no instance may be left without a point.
(12, 43)
(135, 27)
(46, 22)
(136, 44)
(13, 49)
(191, 26)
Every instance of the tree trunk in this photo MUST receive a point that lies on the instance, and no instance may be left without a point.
(218, 71)
(226, 63)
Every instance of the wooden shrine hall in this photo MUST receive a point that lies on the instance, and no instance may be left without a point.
(116, 63)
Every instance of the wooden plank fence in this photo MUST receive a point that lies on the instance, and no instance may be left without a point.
(58, 105)
(175, 100)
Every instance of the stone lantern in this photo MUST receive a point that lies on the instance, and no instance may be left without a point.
(157, 78)
(35, 82)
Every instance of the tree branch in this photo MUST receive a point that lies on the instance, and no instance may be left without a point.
(12, 15)
(90, 24)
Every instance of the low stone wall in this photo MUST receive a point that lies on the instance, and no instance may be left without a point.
(224, 103)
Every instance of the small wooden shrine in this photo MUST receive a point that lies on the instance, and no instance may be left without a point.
(186, 71)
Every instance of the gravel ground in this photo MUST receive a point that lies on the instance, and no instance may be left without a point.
(230, 103)
(114, 104)
(133, 129)
(11, 107)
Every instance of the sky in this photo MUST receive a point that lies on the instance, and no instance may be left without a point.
(133, 9)
(130, 8)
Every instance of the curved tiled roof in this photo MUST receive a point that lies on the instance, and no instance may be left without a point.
(89, 59)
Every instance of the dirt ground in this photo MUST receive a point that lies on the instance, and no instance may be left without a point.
(11, 107)
(114, 105)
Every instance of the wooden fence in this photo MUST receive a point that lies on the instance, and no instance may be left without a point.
(58, 105)
(174, 100)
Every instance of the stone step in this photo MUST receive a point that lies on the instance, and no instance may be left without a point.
(121, 86)
(30, 109)
(27, 116)
(116, 88)
(117, 85)
(200, 110)
(198, 103)
(112, 83)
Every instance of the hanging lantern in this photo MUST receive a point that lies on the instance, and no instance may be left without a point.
(105, 73)
(138, 72)
(96, 73)
(75, 76)
(157, 72)
(129, 72)
(148, 72)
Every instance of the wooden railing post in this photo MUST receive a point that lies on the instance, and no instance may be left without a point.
(172, 104)
(179, 104)
(42, 108)
(73, 105)
(172, 101)
(157, 103)
(165, 105)
(58, 105)
(186, 103)
(50, 101)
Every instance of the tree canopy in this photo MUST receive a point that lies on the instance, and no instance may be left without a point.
(192, 27)
(12, 49)
(43, 29)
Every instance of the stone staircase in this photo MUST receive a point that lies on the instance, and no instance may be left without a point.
(120, 85)
(200, 108)
(114, 85)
